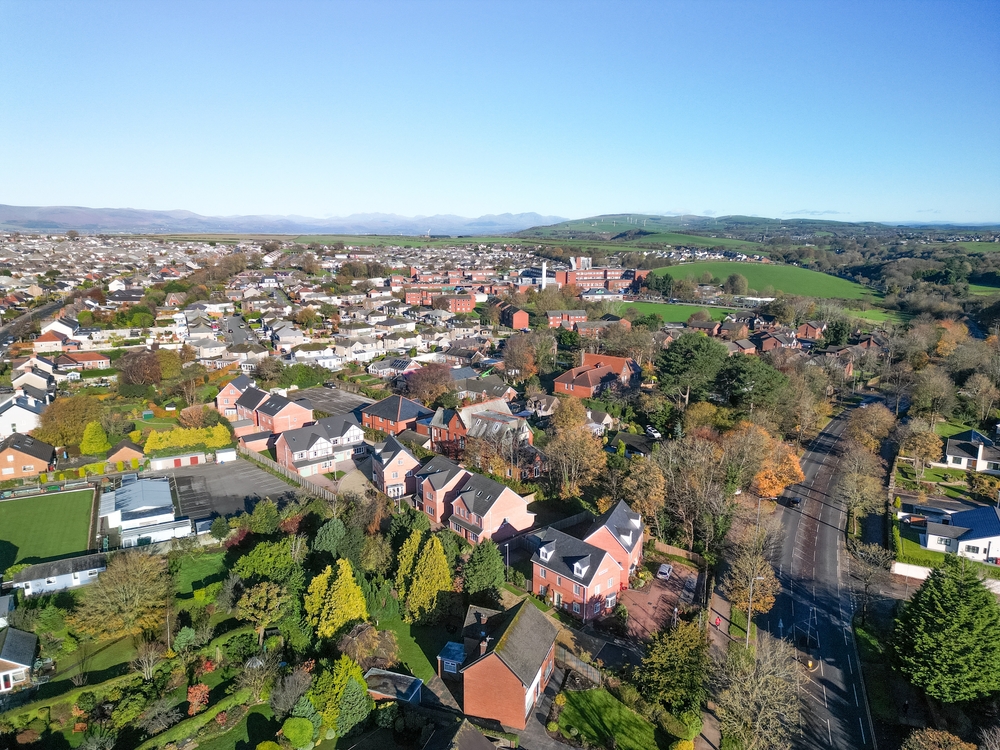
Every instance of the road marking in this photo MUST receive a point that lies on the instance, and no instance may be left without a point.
(856, 703)
(829, 732)
(821, 672)
(850, 666)
(825, 701)
(863, 740)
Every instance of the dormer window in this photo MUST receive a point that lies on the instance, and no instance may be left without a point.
(545, 553)
(580, 569)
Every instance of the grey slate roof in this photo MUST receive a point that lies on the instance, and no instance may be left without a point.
(479, 493)
(460, 736)
(439, 470)
(17, 647)
(624, 525)
(251, 398)
(29, 446)
(241, 382)
(567, 551)
(397, 409)
(965, 445)
(61, 567)
(330, 428)
(948, 531)
(389, 450)
(522, 637)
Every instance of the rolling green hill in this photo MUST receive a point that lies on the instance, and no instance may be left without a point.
(787, 279)
(636, 229)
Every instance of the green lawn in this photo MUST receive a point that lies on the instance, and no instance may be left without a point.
(950, 429)
(788, 279)
(419, 646)
(677, 313)
(983, 289)
(197, 571)
(598, 716)
(913, 552)
(880, 316)
(39, 528)
(738, 626)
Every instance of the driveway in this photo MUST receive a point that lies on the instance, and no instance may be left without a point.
(652, 608)
(534, 736)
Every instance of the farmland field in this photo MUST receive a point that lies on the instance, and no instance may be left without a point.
(880, 316)
(788, 279)
(982, 288)
(40, 528)
(677, 313)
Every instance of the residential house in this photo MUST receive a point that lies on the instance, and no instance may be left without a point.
(70, 572)
(229, 394)
(394, 414)
(619, 532)
(596, 373)
(513, 317)
(574, 575)
(462, 357)
(24, 456)
(278, 414)
(17, 655)
(565, 318)
(436, 484)
(811, 330)
(969, 533)
(125, 451)
(393, 367)
(49, 342)
(598, 422)
(457, 303)
(766, 342)
(393, 467)
(449, 428)
(487, 388)
(629, 445)
(973, 451)
(708, 327)
(83, 361)
(20, 414)
(485, 509)
(318, 448)
(504, 662)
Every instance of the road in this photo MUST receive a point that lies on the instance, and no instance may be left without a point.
(236, 335)
(814, 607)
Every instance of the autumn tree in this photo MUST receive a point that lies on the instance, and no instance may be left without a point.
(519, 358)
(982, 394)
(578, 456)
(645, 488)
(139, 368)
(569, 413)
(924, 447)
(750, 572)
(869, 426)
(933, 393)
(65, 419)
(170, 363)
(736, 284)
(261, 605)
(935, 739)
(430, 382)
(431, 578)
(334, 601)
(127, 599)
(862, 494)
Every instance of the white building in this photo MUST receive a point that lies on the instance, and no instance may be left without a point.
(19, 414)
(970, 533)
(142, 511)
(57, 575)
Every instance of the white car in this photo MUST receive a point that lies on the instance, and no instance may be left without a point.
(665, 571)
(653, 432)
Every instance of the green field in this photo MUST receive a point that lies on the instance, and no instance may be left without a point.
(44, 527)
(677, 313)
(880, 316)
(599, 716)
(978, 289)
(787, 279)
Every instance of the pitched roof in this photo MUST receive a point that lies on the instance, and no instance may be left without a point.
(459, 736)
(17, 647)
(60, 567)
(28, 445)
(328, 428)
(479, 493)
(966, 445)
(522, 637)
(439, 471)
(123, 444)
(251, 398)
(277, 403)
(397, 409)
(978, 523)
(568, 554)
(624, 525)
(389, 450)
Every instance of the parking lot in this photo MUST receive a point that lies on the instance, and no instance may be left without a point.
(331, 400)
(224, 489)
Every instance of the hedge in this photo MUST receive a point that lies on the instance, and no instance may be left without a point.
(189, 727)
(211, 437)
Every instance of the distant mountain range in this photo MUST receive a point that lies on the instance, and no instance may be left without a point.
(140, 221)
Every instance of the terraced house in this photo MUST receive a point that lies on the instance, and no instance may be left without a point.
(319, 447)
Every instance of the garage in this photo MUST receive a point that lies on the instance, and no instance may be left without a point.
(176, 462)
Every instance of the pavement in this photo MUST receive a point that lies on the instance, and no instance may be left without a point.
(814, 608)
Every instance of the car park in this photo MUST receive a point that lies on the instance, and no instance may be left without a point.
(794, 502)
(664, 572)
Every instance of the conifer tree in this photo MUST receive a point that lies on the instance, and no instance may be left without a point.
(95, 440)
(329, 536)
(328, 695)
(431, 577)
(332, 602)
(947, 638)
(484, 573)
(406, 561)
(675, 668)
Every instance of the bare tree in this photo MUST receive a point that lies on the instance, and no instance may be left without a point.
(758, 704)
(147, 658)
(160, 716)
(989, 738)
(80, 678)
(258, 674)
(871, 567)
(287, 691)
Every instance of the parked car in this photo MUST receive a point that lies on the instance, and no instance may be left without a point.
(664, 572)
(653, 432)
(794, 502)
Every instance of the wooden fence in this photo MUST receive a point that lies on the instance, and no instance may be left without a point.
(292, 476)
(568, 660)
(669, 549)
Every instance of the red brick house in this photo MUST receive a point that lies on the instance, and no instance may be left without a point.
(504, 662)
(24, 456)
(708, 327)
(596, 373)
(574, 575)
(246, 405)
(566, 318)
(513, 317)
(449, 428)
(225, 402)
(459, 303)
(472, 505)
(811, 329)
(619, 533)
(394, 414)
(278, 414)
(393, 468)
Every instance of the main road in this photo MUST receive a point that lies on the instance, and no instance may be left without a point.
(814, 608)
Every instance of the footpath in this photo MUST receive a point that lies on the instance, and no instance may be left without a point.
(710, 737)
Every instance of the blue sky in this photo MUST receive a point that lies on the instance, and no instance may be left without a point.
(886, 111)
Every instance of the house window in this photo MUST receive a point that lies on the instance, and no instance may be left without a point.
(597, 608)
(558, 580)
(610, 601)
(474, 538)
(50, 581)
(944, 541)
(576, 607)
(597, 589)
(576, 589)
(92, 574)
(992, 466)
(451, 667)
(541, 572)
(972, 549)
(611, 583)
(956, 460)
(395, 475)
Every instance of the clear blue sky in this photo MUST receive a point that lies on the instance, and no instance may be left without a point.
(849, 110)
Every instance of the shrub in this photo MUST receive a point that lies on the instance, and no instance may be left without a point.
(552, 726)
(197, 698)
(682, 745)
(268, 745)
(560, 700)
(298, 732)
(86, 701)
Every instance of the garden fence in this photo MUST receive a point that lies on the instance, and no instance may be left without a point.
(568, 660)
(292, 476)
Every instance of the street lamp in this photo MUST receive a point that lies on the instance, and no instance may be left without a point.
(750, 606)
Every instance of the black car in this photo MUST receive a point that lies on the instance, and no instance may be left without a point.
(794, 502)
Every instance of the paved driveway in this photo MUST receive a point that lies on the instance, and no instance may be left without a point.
(224, 489)
(652, 608)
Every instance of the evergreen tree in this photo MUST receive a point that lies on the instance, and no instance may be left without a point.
(947, 638)
(379, 601)
(327, 693)
(484, 573)
(95, 440)
(406, 560)
(355, 705)
(329, 536)
(332, 602)
(405, 523)
(264, 519)
(675, 668)
(431, 577)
